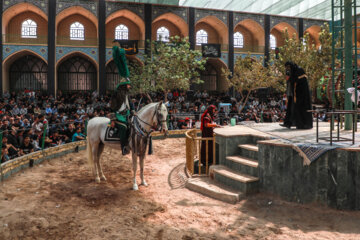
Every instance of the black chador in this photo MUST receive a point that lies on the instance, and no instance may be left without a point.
(300, 116)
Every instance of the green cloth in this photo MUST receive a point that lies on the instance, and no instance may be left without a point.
(120, 61)
(122, 117)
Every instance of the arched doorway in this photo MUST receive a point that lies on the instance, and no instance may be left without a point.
(77, 74)
(209, 76)
(212, 76)
(112, 73)
(28, 72)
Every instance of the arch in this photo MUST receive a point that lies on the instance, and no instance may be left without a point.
(11, 59)
(176, 25)
(217, 30)
(76, 10)
(278, 31)
(314, 32)
(254, 35)
(76, 72)
(213, 78)
(134, 22)
(18, 9)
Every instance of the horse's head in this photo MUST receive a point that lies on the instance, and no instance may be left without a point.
(161, 115)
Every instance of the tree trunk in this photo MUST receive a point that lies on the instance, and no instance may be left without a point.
(246, 99)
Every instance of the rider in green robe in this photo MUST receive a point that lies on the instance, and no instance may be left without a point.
(120, 103)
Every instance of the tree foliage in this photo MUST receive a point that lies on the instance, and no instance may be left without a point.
(250, 74)
(169, 66)
(315, 61)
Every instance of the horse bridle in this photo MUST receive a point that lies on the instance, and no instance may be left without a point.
(159, 122)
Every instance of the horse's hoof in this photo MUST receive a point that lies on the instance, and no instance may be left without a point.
(103, 178)
(135, 187)
(144, 184)
(97, 180)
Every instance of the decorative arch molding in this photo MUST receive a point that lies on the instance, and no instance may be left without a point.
(314, 32)
(7, 62)
(276, 20)
(137, 9)
(43, 5)
(74, 54)
(278, 30)
(11, 50)
(217, 25)
(239, 17)
(203, 13)
(252, 31)
(91, 6)
(131, 16)
(175, 20)
(79, 11)
(17, 9)
(62, 52)
(16, 55)
(162, 10)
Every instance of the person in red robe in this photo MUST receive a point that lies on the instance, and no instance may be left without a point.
(207, 130)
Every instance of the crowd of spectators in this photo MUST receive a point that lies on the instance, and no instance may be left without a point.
(24, 115)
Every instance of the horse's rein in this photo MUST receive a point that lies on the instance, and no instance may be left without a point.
(157, 119)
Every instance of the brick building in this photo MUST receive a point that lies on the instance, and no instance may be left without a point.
(65, 45)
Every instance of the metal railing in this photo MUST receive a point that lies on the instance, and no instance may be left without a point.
(193, 152)
(18, 39)
(66, 41)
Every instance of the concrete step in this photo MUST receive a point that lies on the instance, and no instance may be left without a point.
(249, 151)
(210, 188)
(243, 165)
(239, 181)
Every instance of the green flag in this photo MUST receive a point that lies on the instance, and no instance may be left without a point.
(120, 61)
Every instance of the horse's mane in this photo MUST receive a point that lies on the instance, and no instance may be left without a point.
(147, 106)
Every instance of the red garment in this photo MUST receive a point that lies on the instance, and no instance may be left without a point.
(207, 112)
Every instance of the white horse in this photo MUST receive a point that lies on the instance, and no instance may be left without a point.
(152, 116)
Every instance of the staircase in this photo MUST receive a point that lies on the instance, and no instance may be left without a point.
(234, 179)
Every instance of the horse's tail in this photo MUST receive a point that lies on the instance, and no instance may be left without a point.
(89, 154)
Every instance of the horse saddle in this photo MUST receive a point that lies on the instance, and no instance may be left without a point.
(116, 131)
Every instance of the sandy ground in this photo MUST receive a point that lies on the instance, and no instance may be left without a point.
(60, 200)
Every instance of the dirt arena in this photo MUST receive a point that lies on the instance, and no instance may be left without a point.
(60, 200)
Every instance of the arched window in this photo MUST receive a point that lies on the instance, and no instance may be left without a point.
(121, 32)
(163, 34)
(201, 37)
(77, 31)
(238, 40)
(272, 42)
(29, 29)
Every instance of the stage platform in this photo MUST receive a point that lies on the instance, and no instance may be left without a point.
(290, 163)
(276, 132)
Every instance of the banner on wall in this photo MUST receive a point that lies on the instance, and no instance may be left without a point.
(131, 46)
(211, 50)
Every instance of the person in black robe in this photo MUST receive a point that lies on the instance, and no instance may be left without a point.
(289, 117)
(299, 114)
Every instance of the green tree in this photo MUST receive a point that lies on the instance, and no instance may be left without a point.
(250, 74)
(171, 66)
(315, 61)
